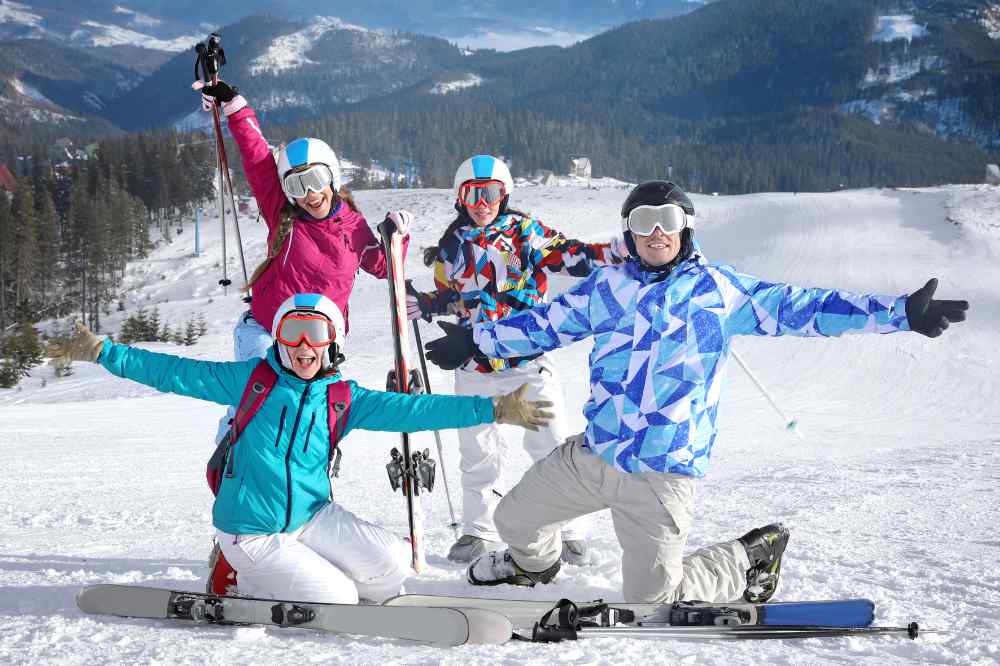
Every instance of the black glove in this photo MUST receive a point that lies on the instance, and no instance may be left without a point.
(930, 317)
(221, 91)
(454, 349)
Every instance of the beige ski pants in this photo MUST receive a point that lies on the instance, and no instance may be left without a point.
(652, 515)
(484, 450)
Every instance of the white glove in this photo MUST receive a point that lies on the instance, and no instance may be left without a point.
(402, 219)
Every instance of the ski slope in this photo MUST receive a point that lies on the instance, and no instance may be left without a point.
(890, 493)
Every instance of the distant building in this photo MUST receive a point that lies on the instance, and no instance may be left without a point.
(579, 167)
(7, 181)
(546, 177)
(993, 174)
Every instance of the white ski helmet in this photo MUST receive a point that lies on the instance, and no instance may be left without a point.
(312, 304)
(483, 167)
(308, 151)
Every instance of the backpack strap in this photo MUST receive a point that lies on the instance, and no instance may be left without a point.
(258, 387)
(338, 409)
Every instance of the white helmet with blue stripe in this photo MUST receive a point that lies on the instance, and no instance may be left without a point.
(483, 167)
(312, 304)
(308, 151)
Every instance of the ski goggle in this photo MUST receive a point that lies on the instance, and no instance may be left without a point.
(297, 183)
(482, 193)
(298, 328)
(670, 218)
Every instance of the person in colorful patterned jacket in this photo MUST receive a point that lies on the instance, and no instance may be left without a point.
(274, 515)
(492, 261)
(662, 325)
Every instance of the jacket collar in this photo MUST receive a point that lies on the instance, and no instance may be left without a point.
(292, 378)
(335, 211)
(645, 275)
(473, 232)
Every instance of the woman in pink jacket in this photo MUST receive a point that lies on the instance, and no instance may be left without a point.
(317, 239)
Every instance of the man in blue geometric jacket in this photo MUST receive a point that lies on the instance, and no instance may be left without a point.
(662, 324)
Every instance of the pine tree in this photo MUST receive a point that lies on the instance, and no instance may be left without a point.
(152, 331)
(25, 242)
(20, 349)
(47, 275)
(76, 248)
(6, 260)
(190, 332)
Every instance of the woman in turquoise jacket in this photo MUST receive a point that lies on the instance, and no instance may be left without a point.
(275, 519)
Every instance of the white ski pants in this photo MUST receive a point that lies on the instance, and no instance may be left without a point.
(652, 514)
(250, 340)
(334, 558)
(483, 449)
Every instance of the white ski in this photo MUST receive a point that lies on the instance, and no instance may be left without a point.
(436, 626)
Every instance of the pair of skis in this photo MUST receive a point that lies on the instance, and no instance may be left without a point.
(452, 621)
(409, 471)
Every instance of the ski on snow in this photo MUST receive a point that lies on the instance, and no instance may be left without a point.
(554, 621)
(451, 621)
(437, 626)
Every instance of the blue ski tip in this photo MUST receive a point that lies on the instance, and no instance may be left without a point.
(835, 613)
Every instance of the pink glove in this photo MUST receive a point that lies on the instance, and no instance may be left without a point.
(413, 307)
(226, 96)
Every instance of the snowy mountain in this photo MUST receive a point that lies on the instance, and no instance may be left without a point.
(890, 494)
(935, 66)
(93, 23)
(293, 69)
(44, 86)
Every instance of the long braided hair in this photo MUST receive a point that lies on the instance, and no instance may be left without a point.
(287, 218)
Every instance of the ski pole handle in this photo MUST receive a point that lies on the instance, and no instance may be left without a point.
(211, 58)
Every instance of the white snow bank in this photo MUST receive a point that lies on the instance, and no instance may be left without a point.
(467, 81)
(288, 51)
(93, 33)
(898, 26)
(15, 12)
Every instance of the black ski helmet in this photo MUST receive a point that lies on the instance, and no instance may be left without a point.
(655, 193)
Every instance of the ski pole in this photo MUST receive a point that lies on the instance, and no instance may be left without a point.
(211, 58)
(790, 423)
(437, 434)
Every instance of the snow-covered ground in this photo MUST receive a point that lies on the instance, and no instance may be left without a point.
(891, 494)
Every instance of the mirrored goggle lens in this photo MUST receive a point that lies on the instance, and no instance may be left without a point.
(314, 331)
(670, 218)
(315, 178)
(471, 194)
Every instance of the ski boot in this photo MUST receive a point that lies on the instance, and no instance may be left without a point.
(221, 575)
(764, 547)
(469, 547)
(498, 568)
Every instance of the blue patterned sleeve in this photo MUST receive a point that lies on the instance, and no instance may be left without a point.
(757, 307)
(541, 328)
